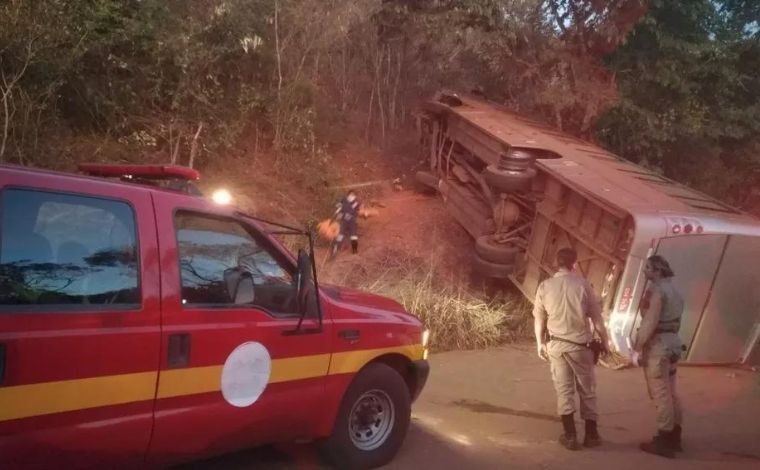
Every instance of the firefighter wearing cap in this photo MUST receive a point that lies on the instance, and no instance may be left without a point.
(347, 213)
(660, 348)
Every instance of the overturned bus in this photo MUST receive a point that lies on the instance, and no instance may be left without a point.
(523, 191)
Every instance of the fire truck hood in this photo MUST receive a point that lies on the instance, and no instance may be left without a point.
(350, 302)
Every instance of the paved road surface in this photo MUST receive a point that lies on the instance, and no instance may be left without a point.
(495, 409)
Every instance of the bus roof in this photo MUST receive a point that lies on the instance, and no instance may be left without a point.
(590, 168)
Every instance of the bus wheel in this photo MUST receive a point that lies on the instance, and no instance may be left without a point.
(489, 250)
(426, 180)
(509, 180)
(490, 269)
(372, 420)
(516, 159)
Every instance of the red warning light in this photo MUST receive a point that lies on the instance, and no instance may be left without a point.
(700, 229)
(688, 228)
(676, 228)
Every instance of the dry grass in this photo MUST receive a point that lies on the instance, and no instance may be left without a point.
(457, 316)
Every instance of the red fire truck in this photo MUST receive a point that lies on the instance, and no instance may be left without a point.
(142, 324)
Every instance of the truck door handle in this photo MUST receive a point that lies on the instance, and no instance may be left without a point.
(349, 335)
(2, 364)
(178, 350)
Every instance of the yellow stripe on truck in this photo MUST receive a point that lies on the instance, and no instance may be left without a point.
(190, 381)
(24, 401)
(352, 361)
(299, 368)
(181, 382)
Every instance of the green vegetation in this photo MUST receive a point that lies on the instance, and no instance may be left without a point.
(457, 318)
(667, 83)
(690, 95)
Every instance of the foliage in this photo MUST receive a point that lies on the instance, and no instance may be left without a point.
(145, 73)
(192, 82)
(457, 317)
(690, 97)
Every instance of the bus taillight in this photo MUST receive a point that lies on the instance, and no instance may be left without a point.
(625, 300)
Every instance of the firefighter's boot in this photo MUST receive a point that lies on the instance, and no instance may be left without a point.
(591, 438)
(661, 444)
(354, 246)
(569, 438)
(677, 438)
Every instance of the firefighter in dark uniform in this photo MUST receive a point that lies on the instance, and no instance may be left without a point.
(347, 213)
(660, 348)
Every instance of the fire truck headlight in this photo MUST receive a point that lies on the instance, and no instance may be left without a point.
(221, 196)
(425, 338)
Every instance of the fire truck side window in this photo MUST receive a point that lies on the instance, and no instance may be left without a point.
(220, 261)
(67, 252)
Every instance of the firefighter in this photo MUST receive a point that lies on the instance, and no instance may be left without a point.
(564, 304)
(347, 213)
(660, 348)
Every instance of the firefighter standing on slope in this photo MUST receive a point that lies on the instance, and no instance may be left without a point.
(347, 213)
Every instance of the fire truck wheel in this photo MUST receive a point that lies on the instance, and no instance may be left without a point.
(489, 250)
(509, 180)
(491, 270)
(372, 420)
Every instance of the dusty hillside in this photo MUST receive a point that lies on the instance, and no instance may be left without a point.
(409, 228)
(411, 250)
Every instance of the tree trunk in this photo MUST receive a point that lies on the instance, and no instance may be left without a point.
(194, 145)
(394, 99)
(369, 116)
(343, 77)
(6, 89)
(278, 111)
(381, 110)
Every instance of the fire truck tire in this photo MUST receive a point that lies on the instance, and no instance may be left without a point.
(426, 180)
(372, 420)
(489, 250)
(507, 181)
(489, 269)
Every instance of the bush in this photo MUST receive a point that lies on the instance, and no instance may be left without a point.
(457, 317)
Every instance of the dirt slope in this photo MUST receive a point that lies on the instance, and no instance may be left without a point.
(410, 230)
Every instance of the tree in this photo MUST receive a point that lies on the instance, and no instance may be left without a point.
(690, 97)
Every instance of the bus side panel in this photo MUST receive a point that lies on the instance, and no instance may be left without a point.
(534, 271)
(694, 260)
(484, 146)
(733, 307)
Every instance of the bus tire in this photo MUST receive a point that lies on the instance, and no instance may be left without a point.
(426, 180)
(489, 269)
(489, 250)
(516, 159)
(372, 420)
(506, 181)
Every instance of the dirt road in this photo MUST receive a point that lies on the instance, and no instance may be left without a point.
(495, 409)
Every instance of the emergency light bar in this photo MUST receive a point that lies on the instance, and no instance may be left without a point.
(154, 172)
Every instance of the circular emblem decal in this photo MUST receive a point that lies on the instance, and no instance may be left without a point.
(245, 374)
